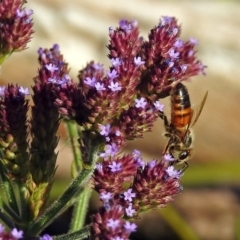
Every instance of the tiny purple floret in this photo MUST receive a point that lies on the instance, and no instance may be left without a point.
(99, 86)
(90, 81)
(115, 86)
(51, 67)
(131, 227)
(138, 61)
(115, 167)
(113, 223)
(116, 62)
(130, 211)
(113, 74)
(129, 195)
(140, 103)
(158, 106)
(17, 234)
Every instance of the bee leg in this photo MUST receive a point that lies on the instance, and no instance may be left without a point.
(161, 115)
(166, 123)
(186, 165)
(167, 147)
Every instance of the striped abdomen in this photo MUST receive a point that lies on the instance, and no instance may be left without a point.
(181, 111)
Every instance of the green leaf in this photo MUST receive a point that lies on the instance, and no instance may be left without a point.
(61, 204)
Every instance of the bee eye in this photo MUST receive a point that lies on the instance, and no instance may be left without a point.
(183, 155)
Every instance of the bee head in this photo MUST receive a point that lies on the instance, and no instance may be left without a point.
(179, 152)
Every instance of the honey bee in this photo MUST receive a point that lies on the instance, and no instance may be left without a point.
(183, 117)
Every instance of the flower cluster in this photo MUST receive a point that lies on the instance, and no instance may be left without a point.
(15, 27)
(168, 59)
(102, 110)
(13, 130)
(125, 98)
(128, 186)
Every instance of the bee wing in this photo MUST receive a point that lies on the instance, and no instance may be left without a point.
(195, 114)
(197, 111)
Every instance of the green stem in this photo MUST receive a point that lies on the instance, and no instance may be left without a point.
(81, 234)
(81, 207)
(58, 206)
(23, 203)
(172, 217)
(74, 136)
(80, 210)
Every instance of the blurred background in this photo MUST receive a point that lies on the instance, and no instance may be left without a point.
(209, 205)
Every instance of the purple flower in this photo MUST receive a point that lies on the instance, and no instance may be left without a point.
(110, 150)
(140, 103)
(118, 133)
(2, 90)
(113, 223)
(66, 78)
(172, 53)
(116, 62)
(2, 228)
(52, 80)
(17, 234)
(46, 237)
(24, 13)
(168, 157)
(173, 172)
(137, 157)
(24, 91)
(175, 31)
(113, 74)
(111, 30)
(158, 106)
(90, 81)
(99, 167)
(125, 25)
(51, 67)
(117, 238)
(134, 23)
(136, 153)
(130, 227)
(56, 47)
(178, 44)
(115, 167)
(138, 61)
(105, 197)
(100, 86)
(193, 41)
(97, 66)
(128, 195)
(130, 211)
(166, 20)
(170, 64)
(184, 68)
(105, 130)
(115, 86)
(190, 53)
(152, 164)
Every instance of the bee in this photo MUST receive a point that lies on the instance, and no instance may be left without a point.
(183, 118)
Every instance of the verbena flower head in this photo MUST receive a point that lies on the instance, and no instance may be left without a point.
(150, 186)
(125, 96)
(13, 131)
(103, 109)
(15, 27)
(109, 224)
(168, 59)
